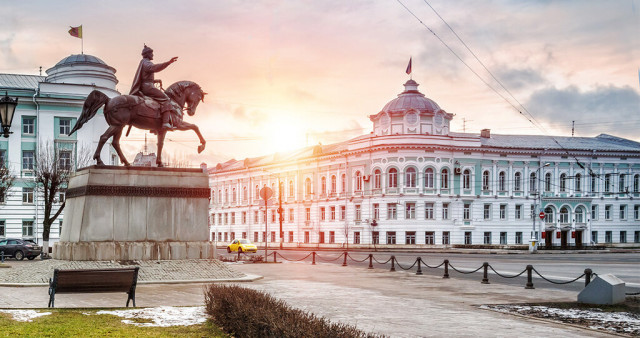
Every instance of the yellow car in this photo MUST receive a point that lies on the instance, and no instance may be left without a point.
(242, 245)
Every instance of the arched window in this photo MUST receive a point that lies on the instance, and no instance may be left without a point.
(393, 178)
(547, 182)
(621, 183)
(502, 181)
(410, 178)
(564, 215)
(428, 178)
(636, 183)
(343, 183)
(307, 187)
(607, 183)
(256, 193)
(323, 185)
(334, 184)
(444, 179)
(376, 179)
(594, 183)
(579, 215)
(548, 215)
(234, 195)
(358, 181)
(220, 200)
(291, 188)
(533, 183)
(466, 179)
(244, 193)
(563, 182)
(226, 195)
(578, 183)
(485, 180)
(517, 181)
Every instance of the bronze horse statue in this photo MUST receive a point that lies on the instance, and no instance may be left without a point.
(142, 113)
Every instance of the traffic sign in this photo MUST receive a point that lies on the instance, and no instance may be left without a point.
(267, 202)
(541, 215)
(266, 193)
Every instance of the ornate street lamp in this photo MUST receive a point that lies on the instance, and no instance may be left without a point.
(7, 108)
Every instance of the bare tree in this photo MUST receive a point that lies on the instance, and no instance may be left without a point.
(6, 180)
(54, 165)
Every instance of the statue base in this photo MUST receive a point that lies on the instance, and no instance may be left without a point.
(135, 213)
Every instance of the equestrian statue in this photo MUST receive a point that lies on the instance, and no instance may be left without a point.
(146, 107)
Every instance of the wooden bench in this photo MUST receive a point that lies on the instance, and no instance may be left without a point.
(94, 280)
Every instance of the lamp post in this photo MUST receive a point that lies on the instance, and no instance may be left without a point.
(7, 109)
(533, 247)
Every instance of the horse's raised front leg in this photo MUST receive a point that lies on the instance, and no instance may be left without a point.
(112, 130)
(161, 135)
(189, 126)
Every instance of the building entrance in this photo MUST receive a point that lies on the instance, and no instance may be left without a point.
(548, 239)
(564, 239)
(578, 239)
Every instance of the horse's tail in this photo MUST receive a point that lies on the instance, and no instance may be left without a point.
(94, 101)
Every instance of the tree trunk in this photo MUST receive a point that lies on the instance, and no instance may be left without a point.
(45, 247)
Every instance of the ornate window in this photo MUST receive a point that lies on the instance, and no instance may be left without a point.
(410, 178)
(485, 180)
(358, 181)
(393, 178)
(334, 183)
(548, 215)
(564, 215)
(502, 181)
(466, 179)
(428, 178)
(636, 183)
(579, 215)
(533, 183)
(244, 193)
(563, 182)
(444, 179)
(323, 185)
(307, 187)
(343, 182)
(376, 179)
(291, 188)
(547, 182)
(621, 185)
(578, 183)
(517, 181)
(607, 183)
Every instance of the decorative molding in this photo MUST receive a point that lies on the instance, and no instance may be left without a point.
(119, 190)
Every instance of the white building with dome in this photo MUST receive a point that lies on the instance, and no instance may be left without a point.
(48, 107)
(414, 182)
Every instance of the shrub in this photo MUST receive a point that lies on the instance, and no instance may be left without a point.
(244, 312)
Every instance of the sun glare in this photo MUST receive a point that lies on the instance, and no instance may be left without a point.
(284, 136)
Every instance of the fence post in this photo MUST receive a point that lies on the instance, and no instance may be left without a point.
(529, 277)
(485, 277)
(446, 269)
(587, 277)
(2, 255)
(393, 266)
(274, 257)
(344, 263)
(314, 258)
(239, 255)
(419, 272)
(370, 261)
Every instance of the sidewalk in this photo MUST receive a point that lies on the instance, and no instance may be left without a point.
(398, 304)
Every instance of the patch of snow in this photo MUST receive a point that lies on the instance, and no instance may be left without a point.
(25, 315)
(162, 316)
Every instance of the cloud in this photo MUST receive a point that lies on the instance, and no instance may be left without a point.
(605, 109)
(519, 78)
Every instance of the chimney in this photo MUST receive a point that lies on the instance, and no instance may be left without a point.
(485, 133)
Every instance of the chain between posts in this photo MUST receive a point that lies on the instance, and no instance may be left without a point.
(559, 283)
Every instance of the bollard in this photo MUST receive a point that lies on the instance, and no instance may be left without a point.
(485, 277)
(314, 258)
(344, 263)
(587, 277)
(274, 257)
(238, 256)
(393, 266)
(419, 272)
(370, 261)
(2, 256)
(446, 269)
(529, 277)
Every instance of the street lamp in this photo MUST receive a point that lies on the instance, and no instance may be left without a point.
(7, 108)
(533, 246)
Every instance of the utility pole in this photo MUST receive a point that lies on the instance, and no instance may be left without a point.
(280, 211)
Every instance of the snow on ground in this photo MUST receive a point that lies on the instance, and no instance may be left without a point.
(25, 315)
(161, 316)
(620, 322)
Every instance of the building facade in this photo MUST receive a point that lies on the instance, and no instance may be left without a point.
(48, 108)
(412, 181)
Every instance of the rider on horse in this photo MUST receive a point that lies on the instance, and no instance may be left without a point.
(143, 83)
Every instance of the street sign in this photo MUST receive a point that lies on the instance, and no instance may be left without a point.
(266, 193)
(541, 215)
(267, 202)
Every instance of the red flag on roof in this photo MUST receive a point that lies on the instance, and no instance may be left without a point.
(409, 67)
(76, 31)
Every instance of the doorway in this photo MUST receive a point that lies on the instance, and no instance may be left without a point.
(564, 234)
(578, 239)
(548, 239)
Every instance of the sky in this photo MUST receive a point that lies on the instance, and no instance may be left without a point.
(281, 75)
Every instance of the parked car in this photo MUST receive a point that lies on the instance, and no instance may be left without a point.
(242, 245)
(20, 248)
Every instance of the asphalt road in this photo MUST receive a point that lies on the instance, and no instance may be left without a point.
(557, 267)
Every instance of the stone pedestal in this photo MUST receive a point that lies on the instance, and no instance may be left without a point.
(139, 213)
